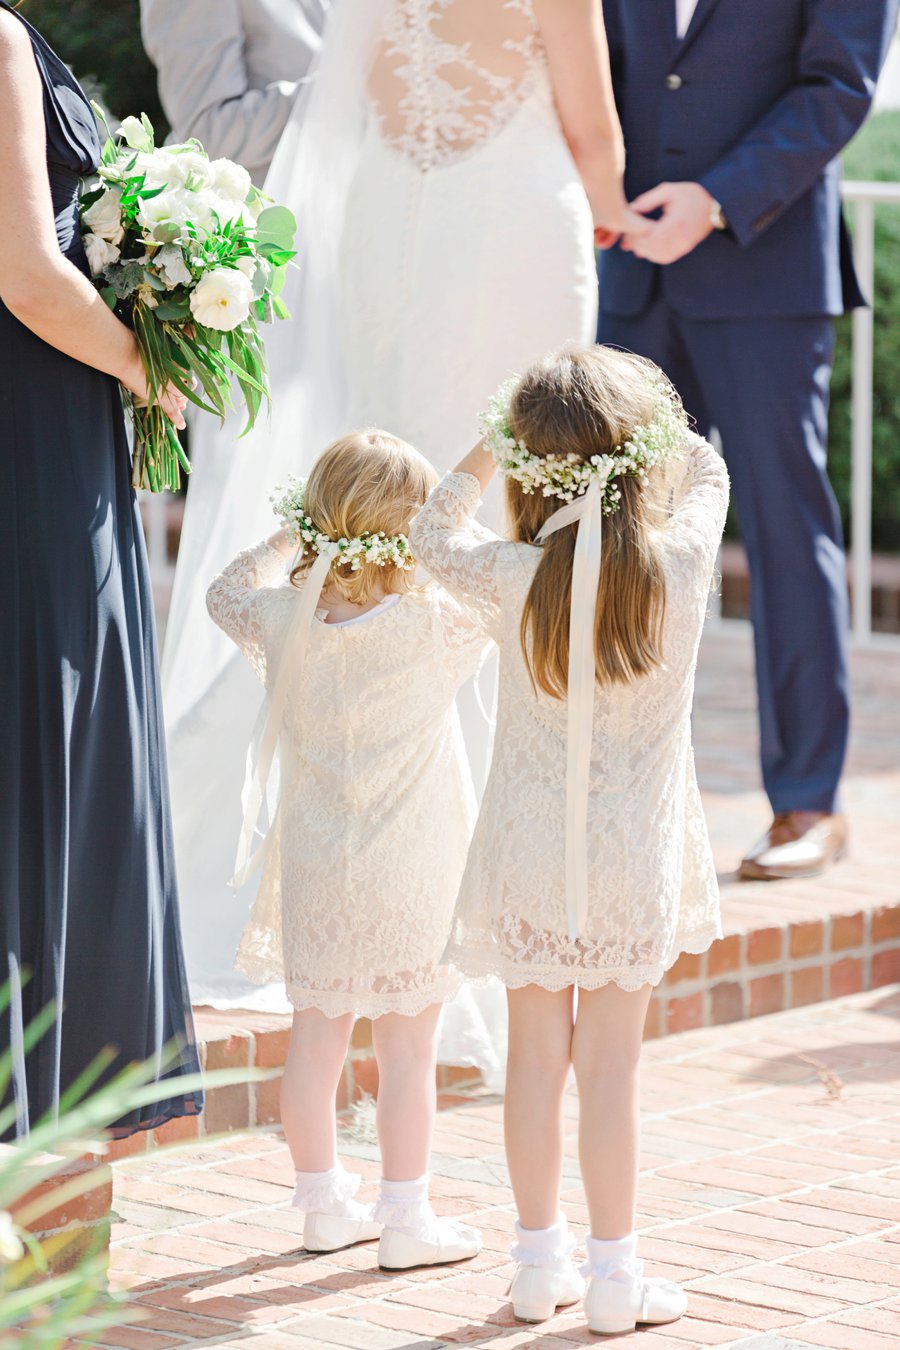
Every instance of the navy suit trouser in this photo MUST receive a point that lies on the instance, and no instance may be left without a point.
(763, 383)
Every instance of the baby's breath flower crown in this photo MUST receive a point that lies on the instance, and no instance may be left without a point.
(567, 476)
(381, 550)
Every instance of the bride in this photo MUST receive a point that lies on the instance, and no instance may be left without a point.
(450, 166)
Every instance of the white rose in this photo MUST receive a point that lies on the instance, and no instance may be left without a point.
(230, 180)
(11, 1246)
(100, 253)
(134, 133)
(222, 299)
(169, 263)
(105, 216)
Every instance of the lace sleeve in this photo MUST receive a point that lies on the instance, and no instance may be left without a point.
(236, 599)
(698, 513)
(457, 550)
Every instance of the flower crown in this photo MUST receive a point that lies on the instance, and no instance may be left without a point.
(379, 549)
(567, 476)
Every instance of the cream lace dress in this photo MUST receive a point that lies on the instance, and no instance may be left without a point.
(376, 805)
(653, 891)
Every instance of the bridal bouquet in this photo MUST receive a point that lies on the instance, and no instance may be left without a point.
(193, 257)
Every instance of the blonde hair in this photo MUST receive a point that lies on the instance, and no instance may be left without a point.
(363, 483)
(584, 402)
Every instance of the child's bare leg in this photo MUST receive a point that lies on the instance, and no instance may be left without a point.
(540, 1039)
(406, 1053)
(309, 1087)
(606, 1048)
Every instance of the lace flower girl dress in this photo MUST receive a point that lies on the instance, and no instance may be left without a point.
(376, 806)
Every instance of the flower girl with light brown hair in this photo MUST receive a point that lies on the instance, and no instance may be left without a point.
(590, 869)
(367, 847)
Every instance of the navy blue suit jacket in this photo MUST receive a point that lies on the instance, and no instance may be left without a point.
(754, 102)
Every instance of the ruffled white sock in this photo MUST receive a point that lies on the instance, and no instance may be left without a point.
(547, 1247)
(613, 1259)
(331, 1193)
(405, 1207)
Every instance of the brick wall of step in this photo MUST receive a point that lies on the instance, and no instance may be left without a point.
(767, 970)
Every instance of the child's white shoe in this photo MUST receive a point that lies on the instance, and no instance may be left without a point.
(443, 1242)
(546, 1278)
(334, 1219)
(330, 1232)
(622, 1300)
(537, 1291)
(413, 1234)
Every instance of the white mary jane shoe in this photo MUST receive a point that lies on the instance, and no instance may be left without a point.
(451, 1242)
(330, 1232)
(619, 1304)
(537, 1291)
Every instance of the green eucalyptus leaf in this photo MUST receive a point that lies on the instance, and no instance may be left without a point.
(276, 225)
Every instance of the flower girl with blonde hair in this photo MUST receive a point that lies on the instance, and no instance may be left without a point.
(590, 868)
(366, 849)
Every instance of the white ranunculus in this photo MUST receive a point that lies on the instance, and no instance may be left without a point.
(222, 299)
(169, 263)
(105, 216)
(100, 253)
(11, 1246)
(230, 180)
(191, 167)
(135, 133)
(174, 206)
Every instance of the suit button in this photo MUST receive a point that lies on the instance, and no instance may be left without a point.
(674, 81)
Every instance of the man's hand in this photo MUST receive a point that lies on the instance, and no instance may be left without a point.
(685, 222)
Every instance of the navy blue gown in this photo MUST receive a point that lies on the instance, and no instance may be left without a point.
(88, 899)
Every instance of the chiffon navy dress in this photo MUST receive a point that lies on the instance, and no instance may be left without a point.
(88, 900)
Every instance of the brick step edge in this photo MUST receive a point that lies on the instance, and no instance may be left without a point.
(78, 1224)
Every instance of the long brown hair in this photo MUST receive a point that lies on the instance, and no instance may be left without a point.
(364, 483)
(584, 402)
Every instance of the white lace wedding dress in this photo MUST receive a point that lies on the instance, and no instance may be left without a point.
(652, 881)
(445, 242)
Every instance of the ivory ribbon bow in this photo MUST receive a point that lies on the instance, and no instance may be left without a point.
(588, 511)
(292, 656)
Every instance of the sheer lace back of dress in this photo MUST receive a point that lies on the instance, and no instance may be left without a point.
(449, 74)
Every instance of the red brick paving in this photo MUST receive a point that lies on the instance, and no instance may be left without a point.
(770, 1186)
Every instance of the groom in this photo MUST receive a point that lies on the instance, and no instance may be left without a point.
(733, 113)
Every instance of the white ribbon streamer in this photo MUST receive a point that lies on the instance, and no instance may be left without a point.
(292, 657)
(587, 510)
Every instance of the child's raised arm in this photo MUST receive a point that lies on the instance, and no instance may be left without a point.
(455, 548)
(699, 513)
(233, 598)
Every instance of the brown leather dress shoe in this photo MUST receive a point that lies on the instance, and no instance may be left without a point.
(797, 844)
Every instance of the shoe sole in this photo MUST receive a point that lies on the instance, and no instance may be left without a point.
(426, 1265)
(341, 1247)
(525, 1313)
(751, 871)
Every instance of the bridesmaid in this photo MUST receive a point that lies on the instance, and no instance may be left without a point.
(88, 902)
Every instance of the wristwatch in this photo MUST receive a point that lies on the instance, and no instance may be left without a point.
(717, 216)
